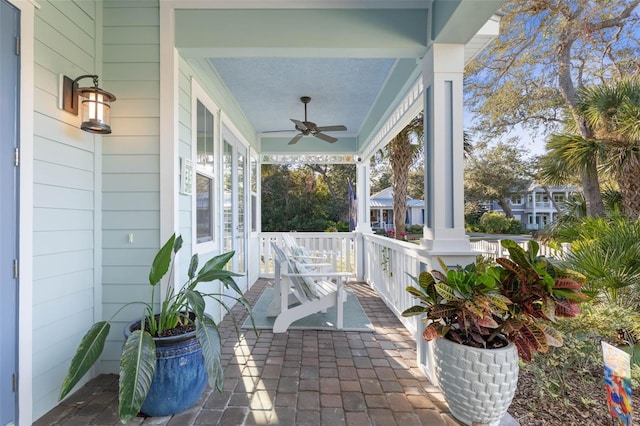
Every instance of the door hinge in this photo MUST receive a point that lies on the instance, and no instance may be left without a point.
(16, 157)
(15, 268)
(17, 46)
(15, 382)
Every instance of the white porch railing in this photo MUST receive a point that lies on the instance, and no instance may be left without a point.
(339, 246)
(386, 262)
(387, 266)
(493, 249)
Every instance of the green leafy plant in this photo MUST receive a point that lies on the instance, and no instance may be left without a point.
(460, 304)
(564, 369)
(182, 310)
(494, 222)
(385, 261)
(578, 363)
(606, 250)
(618, 325)
(486, 306)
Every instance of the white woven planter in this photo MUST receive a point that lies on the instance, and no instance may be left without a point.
(477, 384)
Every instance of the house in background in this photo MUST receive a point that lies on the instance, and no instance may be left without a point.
(381, 204)
(538, 206)
(200, 87)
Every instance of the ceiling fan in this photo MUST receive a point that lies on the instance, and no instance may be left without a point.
(307, 128)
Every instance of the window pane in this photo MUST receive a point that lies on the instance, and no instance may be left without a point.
(227, 194)
(254, 194)
(254, 212)
(204, 201)
(204, 156)
(254, 175)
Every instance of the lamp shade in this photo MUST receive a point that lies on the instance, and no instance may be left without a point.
(96, 109)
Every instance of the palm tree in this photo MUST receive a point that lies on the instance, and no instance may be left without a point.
(568, 157)
(403, 152)
(613, 114)
(467, 146)
(613, 111)
(606, 250)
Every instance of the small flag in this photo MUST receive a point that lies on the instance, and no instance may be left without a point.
(617, 381)
(352, 207)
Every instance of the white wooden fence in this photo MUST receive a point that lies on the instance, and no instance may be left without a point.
(339, 247)
(493, 249)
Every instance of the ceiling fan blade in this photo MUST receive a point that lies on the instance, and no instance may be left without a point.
(299, 124)
(325, 138)
(278, 131)
(331, 128)
(295, 139)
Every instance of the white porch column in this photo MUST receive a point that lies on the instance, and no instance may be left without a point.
(363, 225)
(444, 233)
(534, 212)
(362, 197)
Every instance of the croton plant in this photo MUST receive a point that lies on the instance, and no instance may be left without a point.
(487, 306)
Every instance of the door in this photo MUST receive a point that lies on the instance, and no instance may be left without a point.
(9, 87)
(235, 230)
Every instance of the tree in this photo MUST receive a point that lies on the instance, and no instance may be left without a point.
(276, 185)
(304, 198)
(381, 180)
(613, 112)
(497, 173)
(336, 176)
(547, 51)
(415, 188)
(402, 153)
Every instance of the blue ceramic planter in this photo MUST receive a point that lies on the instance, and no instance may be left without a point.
(180, 376)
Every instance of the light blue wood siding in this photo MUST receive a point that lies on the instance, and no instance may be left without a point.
(130, 163)
(65, 192)
(184, 149)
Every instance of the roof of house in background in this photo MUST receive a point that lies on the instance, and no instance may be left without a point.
(384, 199)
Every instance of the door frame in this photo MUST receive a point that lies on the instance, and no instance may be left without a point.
(237, 142)
(10, 17)
(25, 230)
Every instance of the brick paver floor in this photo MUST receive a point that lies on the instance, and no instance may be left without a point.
(296, 378)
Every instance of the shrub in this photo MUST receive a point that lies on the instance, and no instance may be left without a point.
(515, 227)
(581, 355)
(414, 229)
(578, 357)
(606, 251)
(494, 223)
(635, 376)
(616, 324)
(472, 213)
(332, 226)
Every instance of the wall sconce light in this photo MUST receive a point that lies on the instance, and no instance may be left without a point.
(96, 104)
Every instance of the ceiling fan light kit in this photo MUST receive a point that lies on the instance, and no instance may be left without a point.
(309, 128)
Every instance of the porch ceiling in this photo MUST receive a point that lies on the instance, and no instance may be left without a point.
(355, 59)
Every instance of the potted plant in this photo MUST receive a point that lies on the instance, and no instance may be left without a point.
(171, 351)
(481, 317)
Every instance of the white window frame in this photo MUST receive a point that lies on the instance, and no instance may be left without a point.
(254, 174)
(199, 94)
